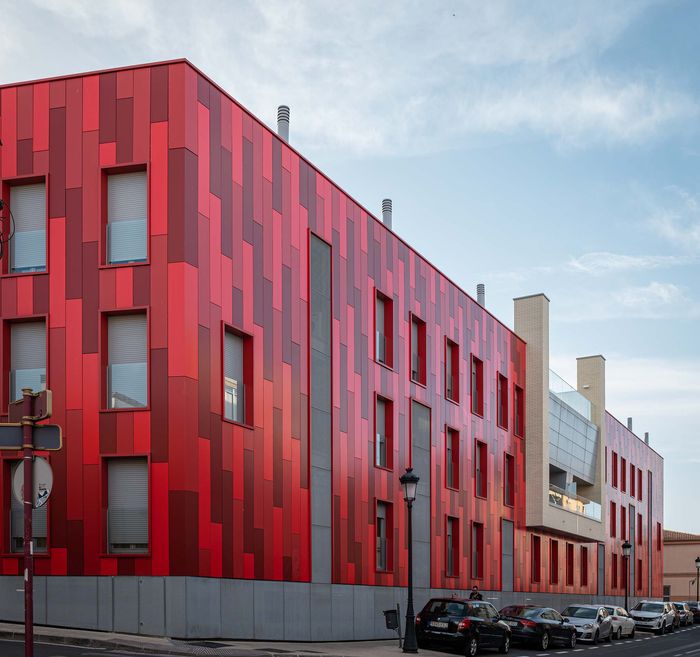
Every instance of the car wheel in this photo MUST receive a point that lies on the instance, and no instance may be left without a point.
(632, 633)
(618, 634)
(505, 645)
(544, 641)
(572, 640)
(662, 631)
(596, 636)
(609, 638)
(472, 646)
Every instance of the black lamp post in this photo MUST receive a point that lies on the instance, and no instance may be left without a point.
(626, 549)
(697, 579)
(409, 480)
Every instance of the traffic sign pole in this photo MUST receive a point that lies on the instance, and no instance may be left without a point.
(28, 446)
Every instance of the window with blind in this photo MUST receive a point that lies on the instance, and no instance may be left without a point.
(127, 212)
(452, 547)
(384, 532)
(127, 375)
(383, 446)
(509, 480)
(27, 357)
(480, 473)
(237, 377)
(477, 386)
(384, 322)
(451, 370)
(127, 505)
(17, 522)
(418, 350)
(477, 550)
(502, 392)
(451, 458)
(28, 246)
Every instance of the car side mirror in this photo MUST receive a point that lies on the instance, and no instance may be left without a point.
(566, 620)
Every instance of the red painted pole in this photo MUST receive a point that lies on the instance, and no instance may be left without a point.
(28, 446)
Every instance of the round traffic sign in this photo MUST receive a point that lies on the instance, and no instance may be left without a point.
(43, 481)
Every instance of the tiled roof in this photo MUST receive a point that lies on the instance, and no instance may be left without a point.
(671, 536)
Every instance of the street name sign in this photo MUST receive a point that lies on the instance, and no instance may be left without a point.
(46, 436)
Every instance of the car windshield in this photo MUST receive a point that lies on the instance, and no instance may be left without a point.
(649, 606)
(448, 608)
(679, 605)
(611, 609)
(521, 612)
(580, 612)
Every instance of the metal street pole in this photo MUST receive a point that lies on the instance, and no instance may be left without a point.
(409, 641)
(627, 580)
(697, 580)
(28, 446)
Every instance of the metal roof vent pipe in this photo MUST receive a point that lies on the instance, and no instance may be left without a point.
(646, 437)
(481, 294)
(386, 212)
(283, 122)
(629, 423)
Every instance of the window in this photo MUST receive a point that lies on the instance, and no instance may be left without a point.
(477, 550)
(639, 575)
(536, 558)
(639, 484)
(613, 519)
(452, 546)
(127, 510)
(584, 566)
(17, 521)
(477, 386)
(509, 480)
(639, 529)
(127, 380)
(623, 522)
(28, 246)
(519, 410)
(238, 376)
(623, 475)
(614, 571)
(569, 564)
(632, 481)
(418, 350)
(553, 561)
(27, 357)
(658, 536)
(384, 330)
(451, 370)
(502, 391)
(384, 534)
(480, 469)
(127, 203)
(614, 470)
(451, 458)
(383, 446)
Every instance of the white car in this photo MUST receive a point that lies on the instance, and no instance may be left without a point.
(592, 622)
(654, 616)
(622, 623)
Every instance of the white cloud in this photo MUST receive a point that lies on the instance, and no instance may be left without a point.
(679, 220)
(603, 262)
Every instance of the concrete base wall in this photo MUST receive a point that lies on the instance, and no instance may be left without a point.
(198, 607)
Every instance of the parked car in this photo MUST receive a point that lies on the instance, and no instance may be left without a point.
(695, 608)
(540, 626)
(622, 623)
(676, 617)
(658, 617)
(592, 622)
(685, 613)
(465, 625)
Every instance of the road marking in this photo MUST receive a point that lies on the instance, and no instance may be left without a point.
(692, 651)
(562, 652)
(594, 647)
(578, 650)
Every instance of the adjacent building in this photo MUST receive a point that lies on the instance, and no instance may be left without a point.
(681, 550)
(244, 360)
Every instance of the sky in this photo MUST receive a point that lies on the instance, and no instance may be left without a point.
(533, 146)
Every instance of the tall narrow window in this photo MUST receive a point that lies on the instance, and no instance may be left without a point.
(614, 571)
(639, 528)
(509, 480)
(452, 547)
(28, 246)
(383, 446)
(639, 575)
(127, 522)
(639, 484)
(633, 481)
(127, 379)
(477, 386)
(384, 330)
(17, 521)
(418, 350)
(623, 473)
(536, 558)
(502, 391)
(238, 376)
(569, 564)
(480, 469)
(613, 519)
(614, 469)
(659, 539)
(519, 410)
(27, 357)
(584, 566)
(553, 561)
(451, 458)
(384, 533)
(477, 550)
(127, 203)
(451, 370)
(623, 521)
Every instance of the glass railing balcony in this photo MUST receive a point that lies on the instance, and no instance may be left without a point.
(380, 347)
(34, 379)
(574, 503)
(380, 451)
(126, 241)
(28, 251)
(569, 395)
(127, 385)
(234, 400)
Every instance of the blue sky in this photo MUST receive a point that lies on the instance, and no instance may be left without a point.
(533, 146)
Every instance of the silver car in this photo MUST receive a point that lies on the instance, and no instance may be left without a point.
(622, 624)
(592, 622)
(652, 615)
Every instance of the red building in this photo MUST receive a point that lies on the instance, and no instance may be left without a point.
(244, 360)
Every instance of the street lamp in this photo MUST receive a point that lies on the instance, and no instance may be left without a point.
(626, 550)
(697, 579)
(409, 481)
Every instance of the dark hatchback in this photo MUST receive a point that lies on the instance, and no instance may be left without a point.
(539, 626)
(464, 625)
(695, 608)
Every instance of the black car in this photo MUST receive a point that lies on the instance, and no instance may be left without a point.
(541, 626)
(695, 608)
(465, 625)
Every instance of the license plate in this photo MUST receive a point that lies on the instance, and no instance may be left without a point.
(439, 625)
(513, 623)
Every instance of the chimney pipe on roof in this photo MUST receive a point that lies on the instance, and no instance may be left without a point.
(283, 122)
(629, 423)
(386, 212)
(481, 294)
(646, 437)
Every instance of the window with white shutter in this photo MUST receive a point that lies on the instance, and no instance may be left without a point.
(27, 357)
(127, 376)
(28, 245)
(127, 505)
(234, 382)
(127, 213)
(17, 522)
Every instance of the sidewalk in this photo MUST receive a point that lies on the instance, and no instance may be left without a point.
(204, 647)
